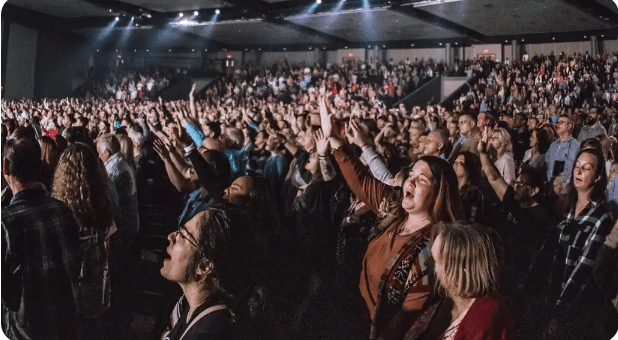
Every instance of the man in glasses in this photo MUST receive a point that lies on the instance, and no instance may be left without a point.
(562, 152)
(526, 221)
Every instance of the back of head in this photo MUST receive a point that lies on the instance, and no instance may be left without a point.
(215, 127)
(22, 159)
(76, 134)
(235, 138)
(109, 142)
(471, 257)
(221, 166)
(81, 182)
(126, 147)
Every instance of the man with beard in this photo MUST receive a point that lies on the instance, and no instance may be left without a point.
(593, 126)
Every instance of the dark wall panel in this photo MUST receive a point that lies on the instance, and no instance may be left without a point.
(61, 65)
(20, 62)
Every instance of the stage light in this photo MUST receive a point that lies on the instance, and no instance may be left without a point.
(602, 35)
(217, 11)
(117, 18)
(193, 50)
(196, 13)
(97, 50)
(553, 38)
(147, 50)
(205, 50)
(110, 10)
(284, 48)
(180, 15)
(318, 1)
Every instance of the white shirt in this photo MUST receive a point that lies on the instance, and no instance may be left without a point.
(506, 166)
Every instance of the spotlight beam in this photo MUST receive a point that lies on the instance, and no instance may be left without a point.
(433, 19)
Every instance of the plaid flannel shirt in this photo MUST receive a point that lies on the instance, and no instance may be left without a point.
(581, 239)
(40, 267)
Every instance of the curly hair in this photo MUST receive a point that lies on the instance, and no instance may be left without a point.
(81, 182)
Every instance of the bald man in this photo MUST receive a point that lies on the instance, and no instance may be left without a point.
(436, 143)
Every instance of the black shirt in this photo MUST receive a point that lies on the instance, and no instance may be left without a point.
(217, 325)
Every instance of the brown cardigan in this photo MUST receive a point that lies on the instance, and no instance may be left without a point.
(386, 249)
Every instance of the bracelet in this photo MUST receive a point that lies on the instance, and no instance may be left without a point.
(190, 148)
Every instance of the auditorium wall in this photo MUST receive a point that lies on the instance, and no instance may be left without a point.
(436, 54)
(61, 65)
(20, 62)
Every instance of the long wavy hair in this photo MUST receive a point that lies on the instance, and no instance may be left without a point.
(81, 182)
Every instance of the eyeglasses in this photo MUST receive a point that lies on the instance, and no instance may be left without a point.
(521, 183)
(185, 234)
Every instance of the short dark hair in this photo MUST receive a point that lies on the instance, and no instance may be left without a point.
(215, 127)
(24, 159)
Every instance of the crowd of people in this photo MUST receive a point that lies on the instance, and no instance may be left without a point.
(301, 203)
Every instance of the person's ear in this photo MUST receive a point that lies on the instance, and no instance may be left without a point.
(205, 268)
(535, 191)
(5, 167)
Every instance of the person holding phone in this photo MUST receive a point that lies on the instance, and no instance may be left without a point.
(561, 154)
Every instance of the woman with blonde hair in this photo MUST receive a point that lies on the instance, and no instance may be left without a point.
(468, 259)
(500, 151)
(126, 149)
(80, 181)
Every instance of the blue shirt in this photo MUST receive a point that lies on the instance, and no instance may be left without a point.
(564, 151)
(238, 162)
(275, 169)
(196, 203)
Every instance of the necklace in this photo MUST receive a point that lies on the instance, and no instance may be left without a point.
(452, 330)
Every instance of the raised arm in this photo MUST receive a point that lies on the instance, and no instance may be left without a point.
(180, 182)
(493, 175)
(366, 187)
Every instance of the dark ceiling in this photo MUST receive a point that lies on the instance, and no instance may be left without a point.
(274, 24)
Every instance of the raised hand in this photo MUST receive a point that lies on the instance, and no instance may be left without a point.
(482, 146)
(325, 118)
(192, 90)
(160, 148)
(322, 143)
